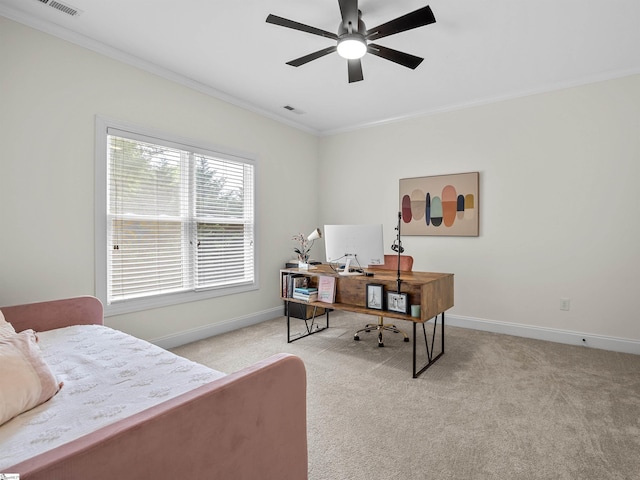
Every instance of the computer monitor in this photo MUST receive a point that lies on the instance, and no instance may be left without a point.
(354, 245)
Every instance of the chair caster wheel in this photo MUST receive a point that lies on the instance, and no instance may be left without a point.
(406, 339)
(380, 344)
(356, 337)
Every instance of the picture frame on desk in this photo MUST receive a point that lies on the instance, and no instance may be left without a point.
(375, 296)
(398, 302)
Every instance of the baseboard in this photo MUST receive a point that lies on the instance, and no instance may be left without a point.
(549, 334)
(182, 338)
(528, 331)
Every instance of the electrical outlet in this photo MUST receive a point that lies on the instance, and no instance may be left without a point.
(565, 304)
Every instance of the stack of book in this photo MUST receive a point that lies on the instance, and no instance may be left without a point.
(291, 281)
(308, 294)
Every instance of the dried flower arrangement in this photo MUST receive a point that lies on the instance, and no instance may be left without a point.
(304, 248)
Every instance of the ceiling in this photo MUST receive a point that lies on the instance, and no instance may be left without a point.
(476, 52)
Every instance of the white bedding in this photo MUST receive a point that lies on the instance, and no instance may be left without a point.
(108, 375)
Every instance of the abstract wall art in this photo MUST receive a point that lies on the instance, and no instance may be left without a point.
(444, 205)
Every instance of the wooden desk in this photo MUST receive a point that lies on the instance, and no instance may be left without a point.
(432, 291)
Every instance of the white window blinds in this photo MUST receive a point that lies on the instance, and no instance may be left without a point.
(179, 218)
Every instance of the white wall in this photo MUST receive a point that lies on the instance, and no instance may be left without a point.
(559, 205)
(558, 193)
(50, 92)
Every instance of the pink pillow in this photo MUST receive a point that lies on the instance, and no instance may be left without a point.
(26, 380)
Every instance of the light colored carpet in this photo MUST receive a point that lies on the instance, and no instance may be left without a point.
(493, 407)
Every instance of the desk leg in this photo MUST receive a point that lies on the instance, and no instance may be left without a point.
(309, 327)
(430, 351)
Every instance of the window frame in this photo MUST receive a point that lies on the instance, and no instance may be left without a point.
(102, 124)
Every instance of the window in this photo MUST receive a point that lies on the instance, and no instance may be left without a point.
(175, 222)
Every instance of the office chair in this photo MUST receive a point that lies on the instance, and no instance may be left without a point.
(390, 263)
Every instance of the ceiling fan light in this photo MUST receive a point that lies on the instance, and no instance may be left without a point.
(352, 47)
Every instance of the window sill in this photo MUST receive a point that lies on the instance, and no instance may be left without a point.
(158, 301)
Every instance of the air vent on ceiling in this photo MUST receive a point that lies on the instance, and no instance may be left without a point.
(293, 109)
(62, 7)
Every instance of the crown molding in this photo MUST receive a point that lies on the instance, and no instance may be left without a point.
(119, 55)
(554, 87)
(126, 58)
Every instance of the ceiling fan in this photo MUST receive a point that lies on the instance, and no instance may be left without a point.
(353, 39)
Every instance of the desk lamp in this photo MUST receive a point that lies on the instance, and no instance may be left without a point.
(305, 246)
(313, 236)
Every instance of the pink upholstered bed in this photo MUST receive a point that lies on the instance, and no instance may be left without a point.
(246, 425)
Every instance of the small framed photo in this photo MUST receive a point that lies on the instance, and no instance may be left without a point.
(397, 302)
(375, 296)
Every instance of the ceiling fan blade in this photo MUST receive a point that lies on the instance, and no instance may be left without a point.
(415, 19)
(404, 59)
(349, 12)
(312, 56)
(283, 22)
(355, 70)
